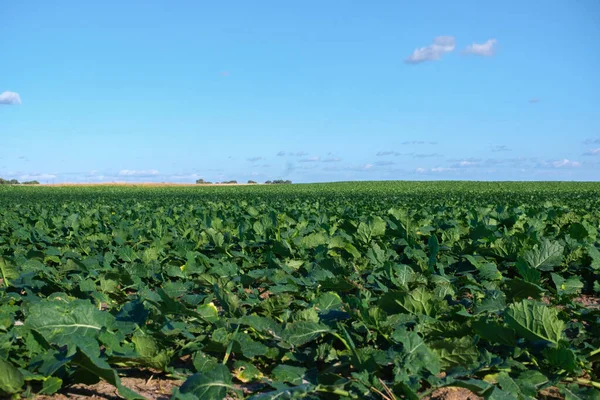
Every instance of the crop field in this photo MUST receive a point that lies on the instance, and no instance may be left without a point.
(373, 290)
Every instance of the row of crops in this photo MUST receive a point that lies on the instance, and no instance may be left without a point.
(349, 290)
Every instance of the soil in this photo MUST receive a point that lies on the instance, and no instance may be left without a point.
(452, 393)
(153, 387)
(588, 301)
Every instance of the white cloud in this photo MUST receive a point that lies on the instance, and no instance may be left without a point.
(254, 159)
(138, 173)
(486, 49)
(592, 152)
(10, 98)
(435, 170)
(592, 141)
(310, 160)
(37, 177)
(440, 46)
(426, 155)
(468, 163)
(564, 163)
(281, 154)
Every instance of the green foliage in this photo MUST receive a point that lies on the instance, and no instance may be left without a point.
(320, 291)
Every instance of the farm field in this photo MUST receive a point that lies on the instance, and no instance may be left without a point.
(371, 290)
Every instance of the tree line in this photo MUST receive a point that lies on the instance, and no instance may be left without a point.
(16, 182)
(250, 182)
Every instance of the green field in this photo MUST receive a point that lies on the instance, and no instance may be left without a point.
(374, 290)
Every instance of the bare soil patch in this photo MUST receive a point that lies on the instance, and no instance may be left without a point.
(153, 387)
(452, 393)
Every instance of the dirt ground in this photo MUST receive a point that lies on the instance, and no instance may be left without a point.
(452, 393)
(153, 387)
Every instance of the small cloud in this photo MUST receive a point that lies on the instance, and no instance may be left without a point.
(224, 74)
(499, 148)
(465, 164)
(299, 154)
(426, 155)
(534, 100)
(410, 142)
(281, 154)
(254, 159)
(592, 152)
(564, 163)
(387, 153)
(9, 98)
(22, 158)
(486, 49)
(138, 173)
(383, 163)
(331, 159)
(368, 166)
(592, 141)
(435, 170)
(37, 177)
(310, 160)
(440, 46)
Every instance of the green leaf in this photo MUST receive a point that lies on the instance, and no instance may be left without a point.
(420, 302)
(517, 289)
(289, 374)
(7, 272)
(570, 286)
(535, 321)
(11, 379)
(434, 249)
(417, 355)
(204, 362)
(529, 274)
(209, 385)
(577, 231)
(300, 333)
(455, 352)
(98, 367)
(59, 321)
(546, 256)
(328, 301)
(313, 240)
(51, 385)
(494, 332)
(561, 357)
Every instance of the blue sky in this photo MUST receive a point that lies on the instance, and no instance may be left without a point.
(310, 91)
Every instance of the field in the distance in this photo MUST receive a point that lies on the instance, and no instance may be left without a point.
(373, 290)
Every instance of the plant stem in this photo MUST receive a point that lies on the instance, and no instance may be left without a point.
(593, 353)
(339, 392)
(585, 382)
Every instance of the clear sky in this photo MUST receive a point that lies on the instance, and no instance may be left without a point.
(316, 90)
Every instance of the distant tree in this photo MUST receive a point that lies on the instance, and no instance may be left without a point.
(8, 182)
(30, 183)
(230, 182)
(202, 182)
(268, 182)
(251, 182)
(278, 182)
